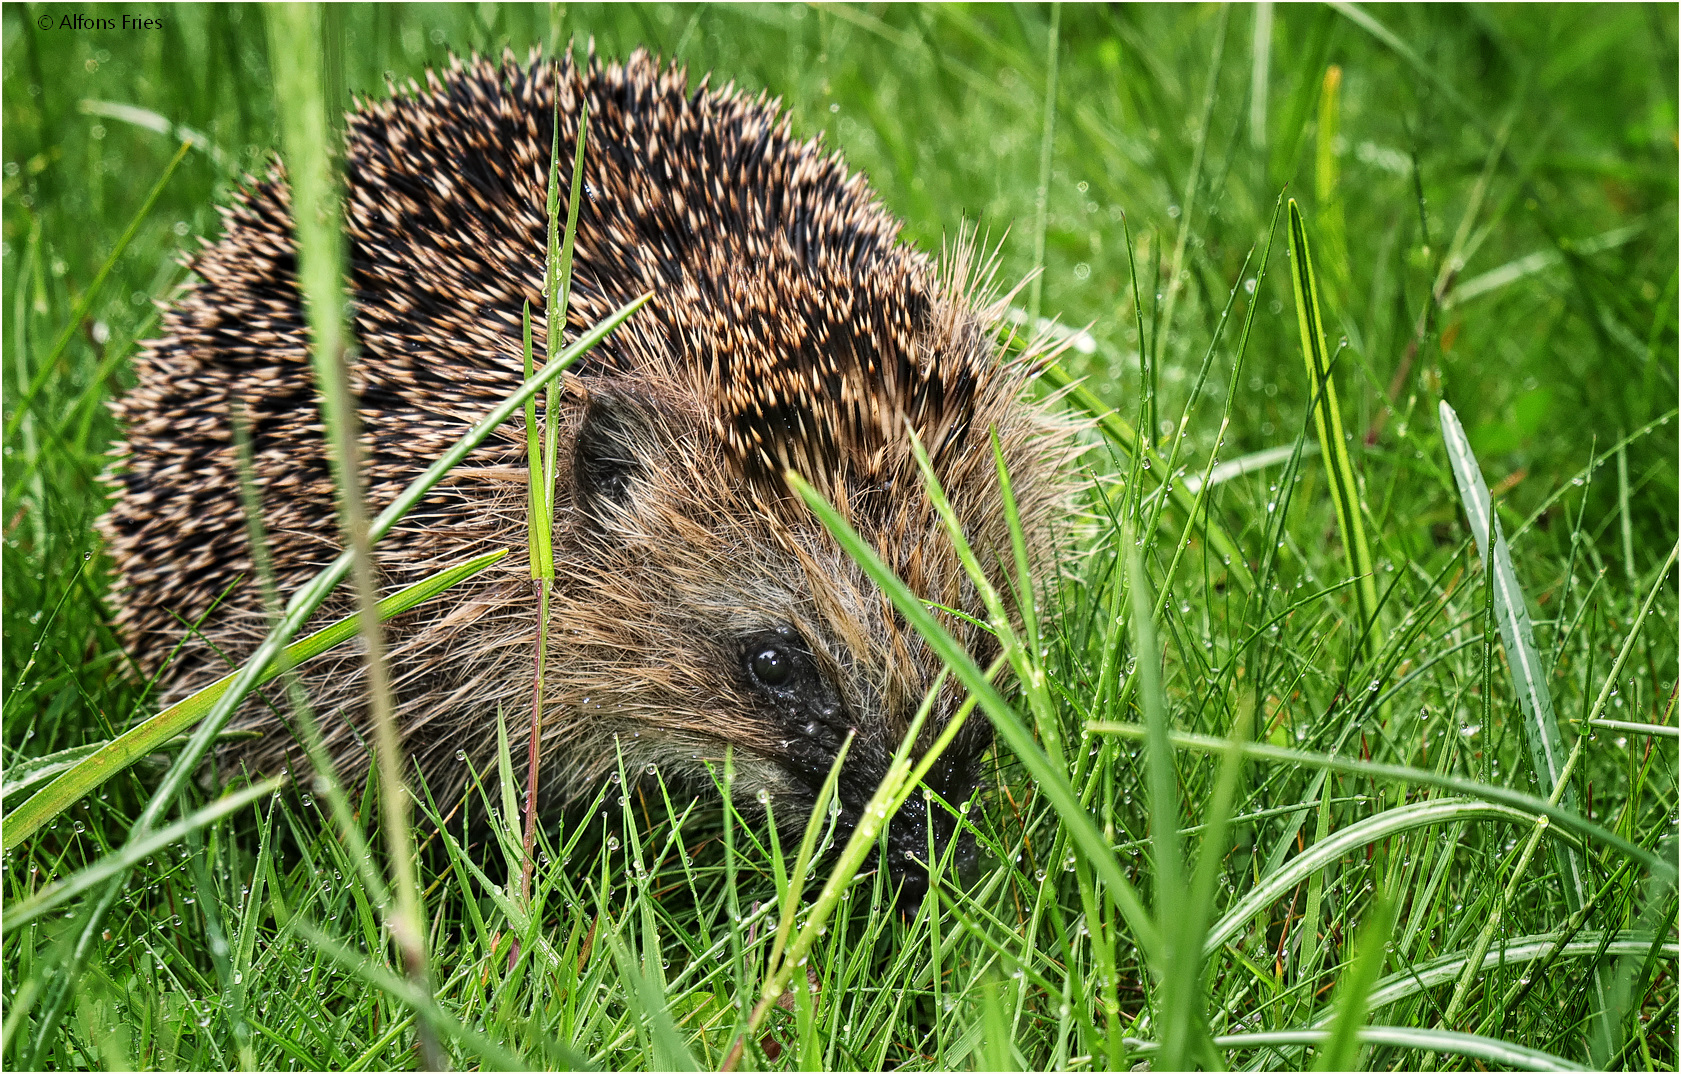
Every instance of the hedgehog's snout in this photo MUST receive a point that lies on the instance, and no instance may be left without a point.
(921, 828)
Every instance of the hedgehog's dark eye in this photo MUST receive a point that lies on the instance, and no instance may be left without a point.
(772, 666)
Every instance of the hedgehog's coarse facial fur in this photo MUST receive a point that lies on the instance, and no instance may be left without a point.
(768, 638)
(698, 605)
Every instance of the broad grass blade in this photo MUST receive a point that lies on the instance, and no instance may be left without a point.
(32, 770)
(1426, 1040)
(1516, 952)
(1348, 840)
(1327, 420)
(1523, 659)
(1489, 792)
(1529, 678)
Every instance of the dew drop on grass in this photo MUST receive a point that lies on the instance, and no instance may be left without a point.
(612, 842)
(460, 755)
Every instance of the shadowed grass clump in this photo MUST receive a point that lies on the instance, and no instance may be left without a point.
(1367, 759)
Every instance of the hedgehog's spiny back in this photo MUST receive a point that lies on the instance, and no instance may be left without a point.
(788, 329)
(779, 290)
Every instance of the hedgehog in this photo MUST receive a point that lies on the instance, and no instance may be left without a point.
(699, 607)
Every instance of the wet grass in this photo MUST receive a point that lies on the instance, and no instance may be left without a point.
(1314, 789)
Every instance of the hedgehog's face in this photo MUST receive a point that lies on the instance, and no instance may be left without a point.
(704, 618)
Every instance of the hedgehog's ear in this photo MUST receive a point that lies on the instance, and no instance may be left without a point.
(605, 456)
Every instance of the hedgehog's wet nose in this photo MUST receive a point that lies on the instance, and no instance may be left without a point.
(921, 828)
(912, 884)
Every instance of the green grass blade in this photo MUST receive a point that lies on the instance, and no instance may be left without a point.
(1327, 419)
(1388, 37)
(1354, 987)
(1428, 1040)
(30, 771)
(1528, 803)
(1211, 855)
(1326, 175)
(105, 761)
(1659, 729)
(1515, 952)
(1018, 543)
(1347, 840)
(1529, 677)
(133, 852)
(643, 996)
(539, 537)
(146, 119)
(1021, 654)
(1047, 139)
(1523, 659)
(1246, 464)
(997, 1045)
(557, 291)
(245, 942)
(802, 861)
(1610, 687)
(1179, 1010)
